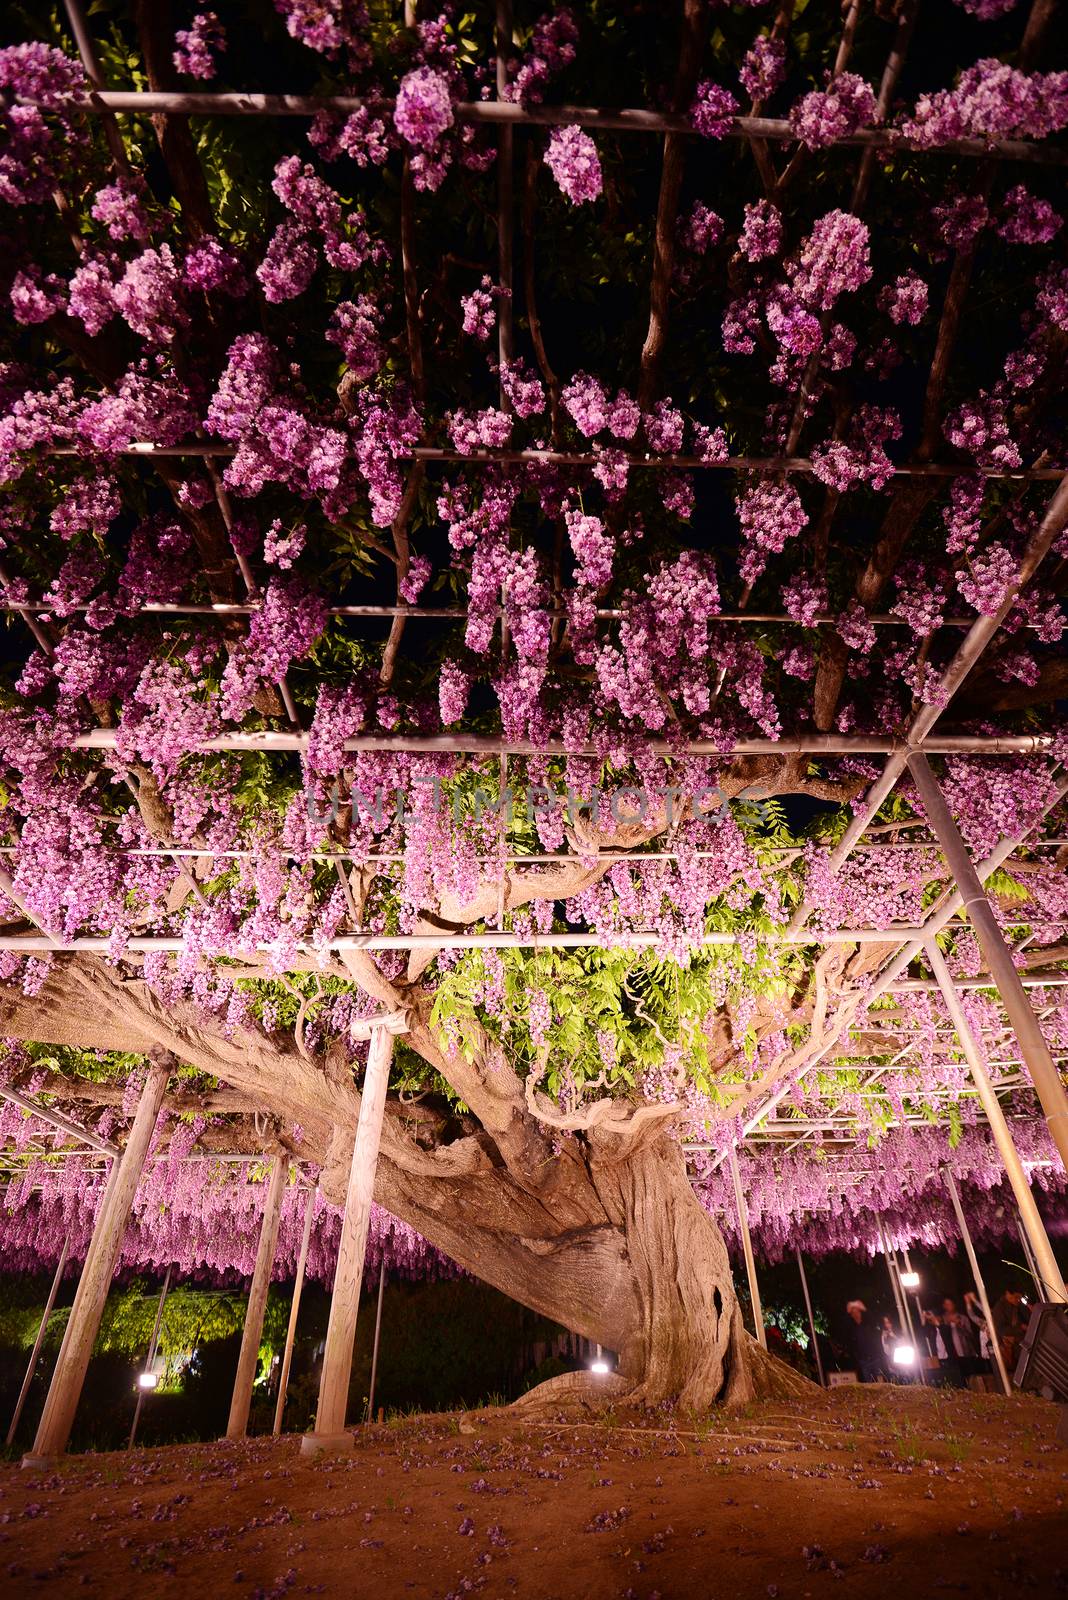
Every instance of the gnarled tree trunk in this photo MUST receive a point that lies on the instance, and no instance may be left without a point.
(598, 1229)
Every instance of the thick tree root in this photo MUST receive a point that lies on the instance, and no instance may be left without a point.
(590, 1390)
(758, 1375)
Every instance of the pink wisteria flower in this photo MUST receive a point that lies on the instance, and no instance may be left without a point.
(764, 67)
(197, 46)
(713, 111)
(424, 108)
(1029, 219)
(573, 161)
(761, 234)
(820, 118)
(905, 300)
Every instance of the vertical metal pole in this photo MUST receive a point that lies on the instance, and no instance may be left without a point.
(505, 222)
(980, 1286)
(902, 1314)
(919, 1313)
(894, 1286)
(747, 1250)
(920, 1370)
(152, 1347)
(1029, 1257)
(1002, 968)
(38, 1342)
(811, 1319)
(294, 1308)
(995, 1116)
(374, 1348)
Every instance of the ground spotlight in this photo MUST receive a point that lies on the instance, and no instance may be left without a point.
(904, 1355)
(148, 1380)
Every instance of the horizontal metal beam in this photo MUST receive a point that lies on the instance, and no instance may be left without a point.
(624, 120)
(222, 610)
(495, 745)
(33, 943)
(217, 449)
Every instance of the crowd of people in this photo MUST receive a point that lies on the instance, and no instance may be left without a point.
(952, 1342)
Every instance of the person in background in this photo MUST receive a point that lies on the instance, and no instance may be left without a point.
(981, 1373)
(938, 1338)
(1010, 1324)
(961, 1342)
(865, 1343)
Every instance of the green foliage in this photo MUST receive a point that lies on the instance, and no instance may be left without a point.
(192, 1318)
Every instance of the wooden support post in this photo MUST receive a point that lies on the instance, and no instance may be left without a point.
(330, 1432)
(1002, 968)
(245, 1376)
(37, 1343)
(294, 1310)
(1045, 1260)
(64, 1392)
(980, 1286)
(747, 1249)
(811, 1319)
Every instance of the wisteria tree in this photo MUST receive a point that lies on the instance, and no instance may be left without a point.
(428, 441)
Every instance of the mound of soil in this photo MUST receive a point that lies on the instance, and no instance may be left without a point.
(856, 1492)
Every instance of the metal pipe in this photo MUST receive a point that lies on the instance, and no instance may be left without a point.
(495, 745)
(895, 1287)
(1025, 1025)
(185, 103)
(747, 1249)
(294, 1310)
(811, 1318)
(56, 1119)
(968, 652)
(153, 1345)
(37, 1343)
(378, 1334)
(980, 1286)
(1025, 1200)
(921, 1372)
(209, 449)
(885, 981)
(222, 609)
(1029, 1257)
(641, 939)
(915, 1293)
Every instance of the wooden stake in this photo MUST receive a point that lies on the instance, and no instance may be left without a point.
(747, 1248)
(257, 1302)
(64, 1392)
(330, 1431)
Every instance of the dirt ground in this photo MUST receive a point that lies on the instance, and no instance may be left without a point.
(860, 1492)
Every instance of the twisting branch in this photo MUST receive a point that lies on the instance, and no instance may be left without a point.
(155, 29)
(694, 30)
(530, 200)
(609, 1115)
